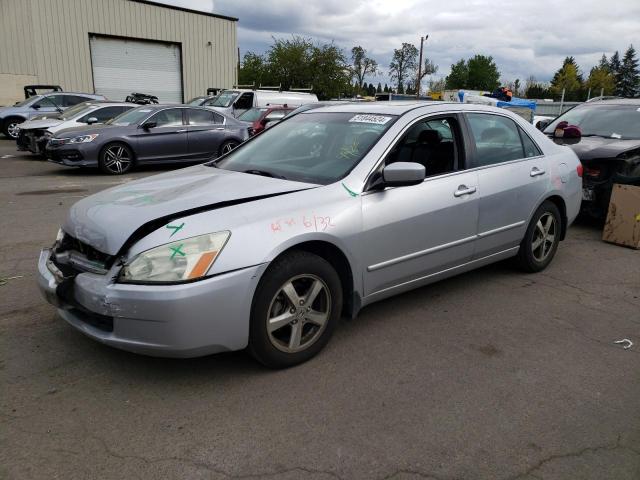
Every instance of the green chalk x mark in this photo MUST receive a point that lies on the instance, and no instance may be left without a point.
(175, 228)
(351, 192)
(177, 250)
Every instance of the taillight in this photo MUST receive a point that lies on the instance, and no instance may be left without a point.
(592, 172)
(579, 169)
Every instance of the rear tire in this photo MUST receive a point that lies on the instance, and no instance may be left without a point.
(295, 309)
(541, 239)
(226, 147)
(116, 158)
(9, 127)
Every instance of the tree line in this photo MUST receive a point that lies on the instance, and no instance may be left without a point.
(299, 62)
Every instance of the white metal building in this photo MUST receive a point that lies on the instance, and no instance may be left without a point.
(114, 47)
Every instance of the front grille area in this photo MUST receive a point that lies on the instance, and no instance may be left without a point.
(71, 244)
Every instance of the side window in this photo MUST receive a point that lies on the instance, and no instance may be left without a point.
(530, 148)
(172, 117)
(245, 102)
(102, 114)
(201, 117)
(217, 118)
(71, 100)
(432, 143)
(51, 101)
(496, 137)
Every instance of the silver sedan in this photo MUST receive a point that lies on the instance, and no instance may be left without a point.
(331, 210)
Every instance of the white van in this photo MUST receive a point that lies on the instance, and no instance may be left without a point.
(234, 102)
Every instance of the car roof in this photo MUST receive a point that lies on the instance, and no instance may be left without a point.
(106, 103)
(615, 101)
(395, 107)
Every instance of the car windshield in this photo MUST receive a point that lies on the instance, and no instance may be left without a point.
(609, 121)
(27, 101)
(252, 114)
(314, 147)
(74, 111)
(130, 117)
(224, 99)
(196, 101)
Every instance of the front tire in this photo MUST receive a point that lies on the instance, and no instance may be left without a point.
(116, 159)
(541, 239)
(295, 309)
(10, 127)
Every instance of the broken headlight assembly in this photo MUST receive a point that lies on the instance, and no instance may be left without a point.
(181, 261)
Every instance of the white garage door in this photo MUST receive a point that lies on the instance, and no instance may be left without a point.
(121, 67)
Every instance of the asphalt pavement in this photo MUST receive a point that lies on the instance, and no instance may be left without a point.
(494, 374)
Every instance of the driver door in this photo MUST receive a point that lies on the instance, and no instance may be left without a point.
(412, 233)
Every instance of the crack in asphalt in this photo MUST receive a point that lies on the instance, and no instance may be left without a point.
(576, 454)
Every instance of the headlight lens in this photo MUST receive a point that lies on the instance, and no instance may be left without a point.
(183, 260)
(83, 138)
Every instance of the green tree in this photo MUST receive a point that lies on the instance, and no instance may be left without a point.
(569, 78)
(379, 89)
(629, 74)
(535, 89)
(362, 65)
(254, 70)
(290, 61)
(386, 88)
(459, 75)
(483, 73)
(330, 74)
(516, 87)
(403, 64)
(614, 67)
(601, 79)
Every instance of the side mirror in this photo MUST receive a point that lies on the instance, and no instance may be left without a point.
(402, 174)
(148, 125)
(35, 107)
(542, 124)
(92, 120)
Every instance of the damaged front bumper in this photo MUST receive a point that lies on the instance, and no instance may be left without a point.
(179, 320)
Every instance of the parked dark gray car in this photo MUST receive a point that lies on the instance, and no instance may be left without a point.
(11, 117)
(148, 134)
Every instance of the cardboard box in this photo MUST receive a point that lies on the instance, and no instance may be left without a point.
(623, 219)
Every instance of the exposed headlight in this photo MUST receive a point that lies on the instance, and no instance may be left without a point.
(82, 138)
(180, 261)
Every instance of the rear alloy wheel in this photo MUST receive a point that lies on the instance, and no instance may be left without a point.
(296, 306)
(11, 127)
(116, 159)
(541, 239)
(226, 147)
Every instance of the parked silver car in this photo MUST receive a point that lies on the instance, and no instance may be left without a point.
(328, 211)
(11, 117)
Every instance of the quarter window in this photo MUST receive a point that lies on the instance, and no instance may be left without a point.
(530, 148)
(171, 117)
(497, 139)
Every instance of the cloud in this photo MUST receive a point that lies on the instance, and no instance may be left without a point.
(525, 38)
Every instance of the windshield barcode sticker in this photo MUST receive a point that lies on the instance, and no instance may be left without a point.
(377, 119)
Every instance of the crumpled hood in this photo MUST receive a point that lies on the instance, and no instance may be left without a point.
(588, 148)
(40, 124)
(107, 219)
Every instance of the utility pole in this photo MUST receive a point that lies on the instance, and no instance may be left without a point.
(422, 39)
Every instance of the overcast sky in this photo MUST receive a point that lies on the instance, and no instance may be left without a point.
(524, 37)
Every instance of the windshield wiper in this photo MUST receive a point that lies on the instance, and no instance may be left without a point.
(264, 173)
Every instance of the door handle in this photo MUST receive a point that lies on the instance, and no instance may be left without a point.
(535, 172)
(220, 128)
(464, 190)
(181, 131)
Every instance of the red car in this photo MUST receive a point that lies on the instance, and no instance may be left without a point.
(264, 117)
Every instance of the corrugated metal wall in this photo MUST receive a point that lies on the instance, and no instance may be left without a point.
(50, 39)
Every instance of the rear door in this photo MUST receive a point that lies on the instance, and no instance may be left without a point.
(205, 133)
(512, 180)
(167, 140)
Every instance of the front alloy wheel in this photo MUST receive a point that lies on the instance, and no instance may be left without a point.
(13, 129)
(116, 159)
(298, 313)
(295, 309)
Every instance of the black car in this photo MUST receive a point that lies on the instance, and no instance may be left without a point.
(145, 135)
(608, 145)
